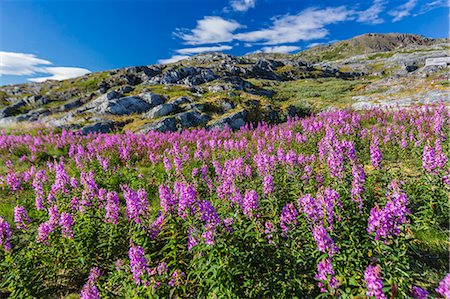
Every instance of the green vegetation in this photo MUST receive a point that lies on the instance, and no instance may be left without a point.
(317, 94)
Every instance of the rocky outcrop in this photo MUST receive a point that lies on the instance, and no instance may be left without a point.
(236, 90)
(112, 103)
(192, 119)
(234, 121)
(165, 125)
(99, 127)
(161, 110)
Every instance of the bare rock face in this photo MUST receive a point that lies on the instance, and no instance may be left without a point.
(99, 127)
(111, 103)
(161, 110)
(235, 121)
(192, 119)
(165, 125)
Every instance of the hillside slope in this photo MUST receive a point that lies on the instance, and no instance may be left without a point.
(214, 90)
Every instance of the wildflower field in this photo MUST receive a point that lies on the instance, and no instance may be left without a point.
(342, 204)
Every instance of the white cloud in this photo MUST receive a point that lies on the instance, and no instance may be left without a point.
(402, 11)
(242, 5)
(210, 30)
(432, 5)
(23, 64)
(60, 73)
(372, 14)
(173, 59)
(278, 49)
(309, 24)
(197, 50)
(20, 64)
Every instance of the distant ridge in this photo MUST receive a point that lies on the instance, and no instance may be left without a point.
(365, 44)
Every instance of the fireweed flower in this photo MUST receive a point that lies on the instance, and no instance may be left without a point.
(90, 291)
(268, 185)
(269, 229)
(386, 222)
(374, 284)
(176, 278)
(162, 269)
(156, 227)
(192, 239)
(167, 164)
(66, 223)
(5, 234)
(21, 217)
(419, 293)
(323, 240)
(428, 157)
(37, 184)
(208, 213)
(44, 231)
(288, 218)
(112, 208)
(53, 214)
(138, 262)
(375, 152)
(167, 200)
(136, 203)
(187, 199)
(357, 184)
(13, 181)
(208, 236)
(250, 203)
(325, 275)
(444, 287)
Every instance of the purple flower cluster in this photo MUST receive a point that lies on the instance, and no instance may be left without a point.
(325, 275)
(66, 223)
(250, 203)
(375, 153)
(112, 207)
(21, 217)
(288, 218)
(89, 290)
(386, 222)
(374, 284)
(444, 287)
(419, 293)
(268, 185)
(5, 234)
(357, 184)
(136, 203)
(187, 197)
(433, 159)
(324, 242)
(167, 200)
(138, 262)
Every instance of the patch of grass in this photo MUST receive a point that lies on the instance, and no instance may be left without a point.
(317, 94)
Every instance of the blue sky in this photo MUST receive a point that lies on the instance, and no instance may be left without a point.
(61, 39)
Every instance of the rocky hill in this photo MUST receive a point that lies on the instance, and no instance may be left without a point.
(214, 90)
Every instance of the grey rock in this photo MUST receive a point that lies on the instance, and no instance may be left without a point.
(160, 110)
(109, 104)
(12, 109)
(235, 121)
(191, 119)
(70, 105)
(181, 100)
(225, 105)
(165, 125)
(99, 127)
(188, 76)
(195, 107)
(125, 89)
